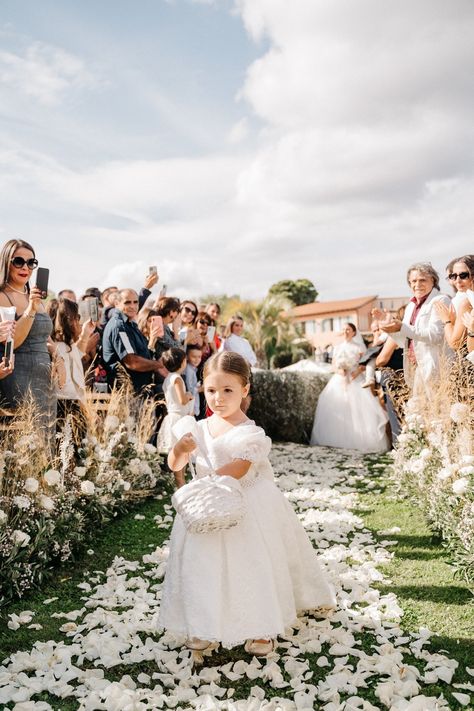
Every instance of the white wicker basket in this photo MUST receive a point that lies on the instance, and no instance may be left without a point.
(211, 503)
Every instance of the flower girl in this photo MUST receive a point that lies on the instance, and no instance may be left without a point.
(247, 583)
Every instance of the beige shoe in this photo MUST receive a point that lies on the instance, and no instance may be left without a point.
(199, 645)
(260, 649)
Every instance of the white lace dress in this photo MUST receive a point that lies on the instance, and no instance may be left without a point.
(347, 415)
(250, 581)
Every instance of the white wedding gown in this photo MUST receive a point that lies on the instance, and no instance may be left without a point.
(347, 415)
(250, 581)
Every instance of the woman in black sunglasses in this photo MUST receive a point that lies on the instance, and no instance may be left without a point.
(460, 274)
(32, 371)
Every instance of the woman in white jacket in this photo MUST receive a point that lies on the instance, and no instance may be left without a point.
(421, 333)
(235, 342)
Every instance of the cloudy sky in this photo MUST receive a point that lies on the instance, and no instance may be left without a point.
(235, 143)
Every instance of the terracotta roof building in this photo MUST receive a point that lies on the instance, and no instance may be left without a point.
(323, 321)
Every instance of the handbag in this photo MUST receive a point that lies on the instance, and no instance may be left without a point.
(210, 503)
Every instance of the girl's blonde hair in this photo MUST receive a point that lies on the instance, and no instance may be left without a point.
(230, 324)
(228, 362)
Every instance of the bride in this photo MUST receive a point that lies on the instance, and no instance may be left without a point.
(347, 415)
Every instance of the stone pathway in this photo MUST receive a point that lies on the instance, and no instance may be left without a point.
(111, 657)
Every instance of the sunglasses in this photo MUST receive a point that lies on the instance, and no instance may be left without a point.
(461, 275)
(128, 302)
(203, 322)
(19, 262)
(190, 311)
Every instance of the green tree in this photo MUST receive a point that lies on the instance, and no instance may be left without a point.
(298, 292)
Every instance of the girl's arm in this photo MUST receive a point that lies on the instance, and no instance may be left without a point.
(236, 469)
(183, 396)
(179, 455)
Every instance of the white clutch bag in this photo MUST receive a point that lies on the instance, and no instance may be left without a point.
(211, 503)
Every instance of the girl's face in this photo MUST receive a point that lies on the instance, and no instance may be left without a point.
(21, 274)
(213, 312)
(188, 313)
(238, 327)
(224, 393)
(460, 277)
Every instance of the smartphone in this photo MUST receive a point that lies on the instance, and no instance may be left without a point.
(211, 332)
(42, 279)
(152, 270)
(157, 322)
(93, 304)
(163, 290)
(8, 353)
(84, 312)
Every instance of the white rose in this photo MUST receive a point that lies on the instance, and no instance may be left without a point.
(87, 487)
(52, 477)
(149, 448)
(20, 538)
(444, 474)
(466, 471)
(46, 502)
(22, 502)
(3, 517)
(111, 423)
(467, 459)
(460, 486)
(458, 412)
(31, 485)
(126, 485)
(80, 471)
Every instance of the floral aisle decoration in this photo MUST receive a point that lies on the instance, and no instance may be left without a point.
(49, 505)
(434, 463)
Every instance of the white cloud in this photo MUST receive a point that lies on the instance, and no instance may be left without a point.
(239, 131)
(43, 72)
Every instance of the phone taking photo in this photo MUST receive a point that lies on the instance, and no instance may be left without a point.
(211, 332)
(41, 282)
(163, 290)
(93, 305)
(152, 270)
(157, 323)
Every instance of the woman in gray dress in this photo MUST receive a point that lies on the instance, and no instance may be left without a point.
(32, 366)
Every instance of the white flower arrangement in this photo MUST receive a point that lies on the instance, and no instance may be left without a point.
(52, 477)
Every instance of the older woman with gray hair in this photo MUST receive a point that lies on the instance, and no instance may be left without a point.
(421, 333)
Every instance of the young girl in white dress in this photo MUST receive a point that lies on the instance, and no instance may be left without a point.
(347, 415)
(179, 402)
(245, 584)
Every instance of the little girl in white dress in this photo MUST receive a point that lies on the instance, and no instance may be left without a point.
(247, 583)
(179, 402)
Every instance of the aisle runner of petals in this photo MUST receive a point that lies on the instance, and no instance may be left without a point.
(336, 663)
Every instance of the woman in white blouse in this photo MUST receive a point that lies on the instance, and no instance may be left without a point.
(70, 343)
(235, 342)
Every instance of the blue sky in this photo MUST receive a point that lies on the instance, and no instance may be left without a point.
(234, 144)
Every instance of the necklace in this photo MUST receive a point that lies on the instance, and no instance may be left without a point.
(18, 291)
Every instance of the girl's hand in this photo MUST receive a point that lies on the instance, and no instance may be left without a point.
(7, 330)
(185, 445)
(443, 311)
(4, 370)
(34, 300)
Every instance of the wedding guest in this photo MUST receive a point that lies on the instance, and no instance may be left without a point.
(67, 294)
(124, 345)
(109, 298)
(236, 343)
(203, 323)
(70, 343)
(32, 372)
(168, 308)
(460, 274)
(468, 320)
(422, 331)
(188, 333)
(191, 376)
(214, 311)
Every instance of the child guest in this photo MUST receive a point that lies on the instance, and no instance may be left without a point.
(179, 402)
(247, 583)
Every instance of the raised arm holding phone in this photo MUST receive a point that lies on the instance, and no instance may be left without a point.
(32, 371)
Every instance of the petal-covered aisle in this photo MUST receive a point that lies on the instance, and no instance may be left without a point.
(112, 656)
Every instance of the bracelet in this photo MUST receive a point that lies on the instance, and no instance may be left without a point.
(32, 316)
(446, 322)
